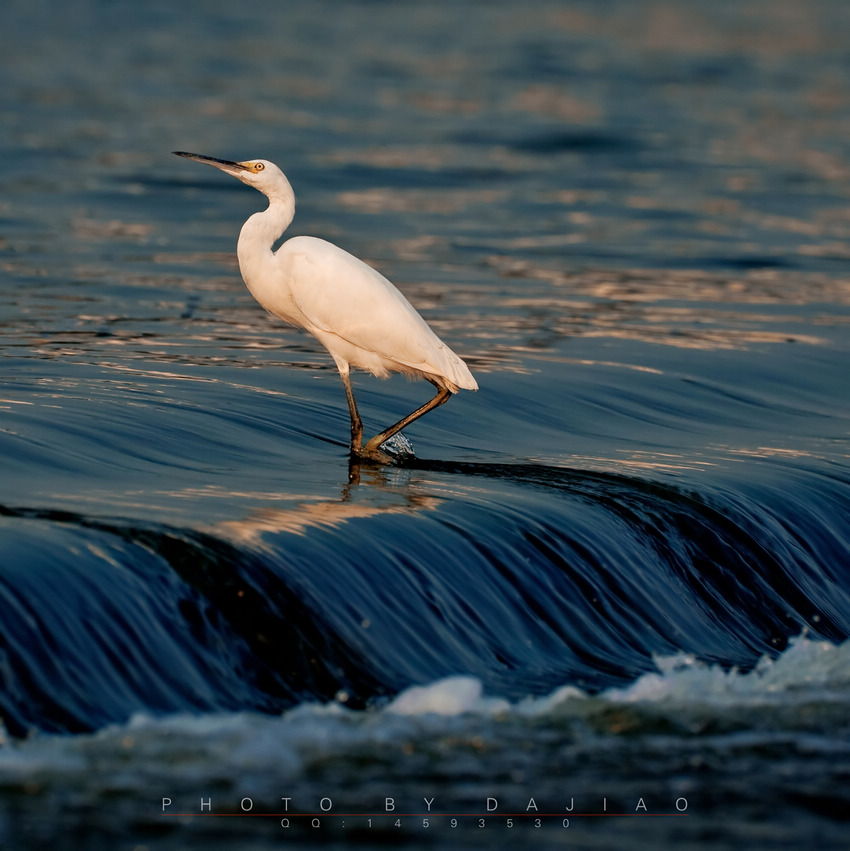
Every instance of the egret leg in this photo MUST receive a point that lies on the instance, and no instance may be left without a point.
(356, 422)
(371, 448)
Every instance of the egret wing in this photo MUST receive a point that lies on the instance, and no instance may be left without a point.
(342, 295)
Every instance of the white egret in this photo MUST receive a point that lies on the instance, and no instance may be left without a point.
(351, 309)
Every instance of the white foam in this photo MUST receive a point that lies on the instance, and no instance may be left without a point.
(451, 696)
(257, 753)
(807, 670)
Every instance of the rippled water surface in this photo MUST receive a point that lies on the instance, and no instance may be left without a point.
(614, 583)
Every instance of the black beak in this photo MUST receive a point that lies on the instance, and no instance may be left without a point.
(212, 161)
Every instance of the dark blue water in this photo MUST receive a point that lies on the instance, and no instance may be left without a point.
(616, 577)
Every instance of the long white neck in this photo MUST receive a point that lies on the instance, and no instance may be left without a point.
(257, 238)
(263, 229)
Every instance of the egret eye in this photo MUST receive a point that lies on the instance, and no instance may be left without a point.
(258, 166)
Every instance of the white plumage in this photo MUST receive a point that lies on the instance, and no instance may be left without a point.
(353, 310)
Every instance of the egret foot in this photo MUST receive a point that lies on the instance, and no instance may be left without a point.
(373, 456)
(394, 450)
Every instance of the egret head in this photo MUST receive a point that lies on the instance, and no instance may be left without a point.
(261, 174)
